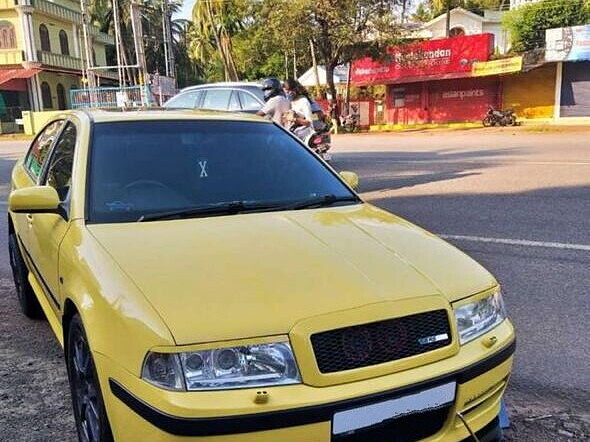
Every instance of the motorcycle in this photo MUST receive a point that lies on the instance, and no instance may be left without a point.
(350, 123)
(317, 137)
(499, 118)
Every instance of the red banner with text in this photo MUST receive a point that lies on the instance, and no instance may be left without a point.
(428, 60)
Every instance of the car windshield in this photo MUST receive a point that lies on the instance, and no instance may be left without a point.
(142, 170)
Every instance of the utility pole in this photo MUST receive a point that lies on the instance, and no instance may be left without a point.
(168, 52)
(294, 65)
(315, 69)
(137, 28)
(90, 76)
(118, 43)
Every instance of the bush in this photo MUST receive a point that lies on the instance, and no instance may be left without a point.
(528, 23)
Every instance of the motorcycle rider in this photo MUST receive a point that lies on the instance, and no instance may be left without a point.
(302, 118)
(276, 104)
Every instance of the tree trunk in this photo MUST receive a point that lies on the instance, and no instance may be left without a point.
(332, 88)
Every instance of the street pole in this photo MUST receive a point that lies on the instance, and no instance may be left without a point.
(117, 26)
(168, 50)
(87, 49)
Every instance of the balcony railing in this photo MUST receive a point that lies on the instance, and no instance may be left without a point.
(11, 56)
(72, 15)
(58, 11)
(59, 60)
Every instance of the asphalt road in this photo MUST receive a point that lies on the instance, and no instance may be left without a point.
(517, 201)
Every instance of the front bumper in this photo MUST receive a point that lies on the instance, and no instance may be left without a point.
(480, 386)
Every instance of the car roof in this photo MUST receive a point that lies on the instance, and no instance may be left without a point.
(223, 84)
(114, 115)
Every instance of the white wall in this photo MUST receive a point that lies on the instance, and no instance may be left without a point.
(471, 26)
(517, 3)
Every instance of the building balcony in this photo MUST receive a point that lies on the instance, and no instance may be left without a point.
(59, 60)
(11, 56)
(72, 15)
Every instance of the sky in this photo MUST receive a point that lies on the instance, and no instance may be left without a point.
(185, 12)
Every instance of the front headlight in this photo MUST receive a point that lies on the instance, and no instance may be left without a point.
(478, 317)
(222, 368)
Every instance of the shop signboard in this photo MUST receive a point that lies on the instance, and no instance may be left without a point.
(429, 60)
(497, 67)
(568, 44)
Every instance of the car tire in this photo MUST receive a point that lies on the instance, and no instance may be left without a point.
(29, 304)
(90, 415)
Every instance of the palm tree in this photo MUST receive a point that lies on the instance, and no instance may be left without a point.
(215, 21)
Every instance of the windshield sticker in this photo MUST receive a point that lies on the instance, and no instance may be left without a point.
(119, 206)
(203, 165)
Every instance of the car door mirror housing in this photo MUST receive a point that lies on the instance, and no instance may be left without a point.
(36, 199)
(350, 178)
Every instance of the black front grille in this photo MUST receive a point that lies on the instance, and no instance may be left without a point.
(378, 342)
(410, 428)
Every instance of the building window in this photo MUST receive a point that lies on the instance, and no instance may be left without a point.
(7, 37)
(44, 36)
(457, 31)
(61, 97)
(46, 96)
(63, 43)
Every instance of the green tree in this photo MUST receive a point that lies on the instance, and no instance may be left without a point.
(527, 24)
(429, 9)
(341, 30)
(216, 22)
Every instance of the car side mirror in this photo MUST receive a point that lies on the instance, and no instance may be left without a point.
(36, 199)
(351, 178)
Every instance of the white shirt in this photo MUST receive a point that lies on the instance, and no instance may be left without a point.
(276, 107)
(302, 106)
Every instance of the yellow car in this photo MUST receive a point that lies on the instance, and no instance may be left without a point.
(211, 279)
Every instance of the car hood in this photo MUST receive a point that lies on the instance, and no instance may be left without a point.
(258, 274)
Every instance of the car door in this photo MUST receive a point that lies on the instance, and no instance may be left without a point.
(48, 229)
(28, 173)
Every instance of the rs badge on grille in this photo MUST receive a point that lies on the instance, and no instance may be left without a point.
(436, 338)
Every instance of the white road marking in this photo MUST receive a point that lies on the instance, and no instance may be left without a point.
(519, 242)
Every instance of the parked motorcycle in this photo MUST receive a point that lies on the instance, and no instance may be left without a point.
(499, 118)
(350, 123)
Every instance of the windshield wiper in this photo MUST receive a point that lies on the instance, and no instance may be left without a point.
(321, 201)
(225, 208)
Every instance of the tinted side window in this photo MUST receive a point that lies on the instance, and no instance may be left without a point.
(187, 100)
(249, 103)
(216, 99)
(37, 155)
(59, 171)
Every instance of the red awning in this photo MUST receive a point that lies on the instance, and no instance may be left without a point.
(12, 74)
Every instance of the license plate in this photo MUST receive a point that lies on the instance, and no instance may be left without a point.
(373, 414)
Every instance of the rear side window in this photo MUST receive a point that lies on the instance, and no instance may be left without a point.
(216, 99)
(187, 100)
(249, 102)
(39, 150)
(59, 170)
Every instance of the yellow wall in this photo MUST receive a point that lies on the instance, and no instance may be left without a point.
(12, 16)
(531, 94)
(53, 78)
(33, 122)
(54, 25)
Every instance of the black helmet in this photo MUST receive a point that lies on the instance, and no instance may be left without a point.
(271, 88)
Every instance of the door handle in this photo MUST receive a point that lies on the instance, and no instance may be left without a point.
(30, 218)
